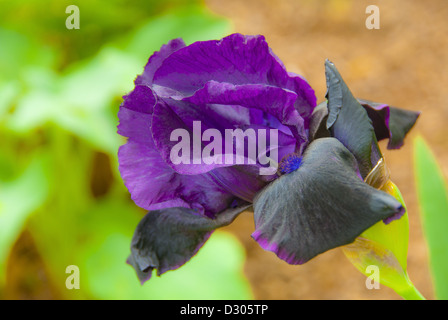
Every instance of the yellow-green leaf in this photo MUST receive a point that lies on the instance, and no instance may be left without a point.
(385, 247)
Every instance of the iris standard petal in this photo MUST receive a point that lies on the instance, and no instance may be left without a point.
(235, 59)
(322, 205)
(156, 60)
(153, 183)
(188, 122)
(305, 96)
(349, 122)
(141, 99)
(275, 101)
(318, 122)
(390, 122)
(166, 239)
(135, 115)
(135, 125)
(170, 129)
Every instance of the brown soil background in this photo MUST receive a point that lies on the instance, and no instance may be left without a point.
(404, 63)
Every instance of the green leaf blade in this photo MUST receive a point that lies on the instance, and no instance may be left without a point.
(433, 201)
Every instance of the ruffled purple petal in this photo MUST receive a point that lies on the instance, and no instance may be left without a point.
(156, 60)
(193, 120)
(305, 96)
(222, 106)
(141, 99)
(235, 59)
(135, 115)
(257, 93)
(275, 101)
(153, 184)
(135, 126)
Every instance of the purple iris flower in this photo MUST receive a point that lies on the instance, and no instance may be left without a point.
(315, 201)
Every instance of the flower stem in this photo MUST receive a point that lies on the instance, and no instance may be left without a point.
(411, 293)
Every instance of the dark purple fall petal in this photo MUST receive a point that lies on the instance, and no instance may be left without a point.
(322, 205)
(166, 239)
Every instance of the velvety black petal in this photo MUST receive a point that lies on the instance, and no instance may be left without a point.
(318, 120)
(166, 239)
(390, 122)
(322, 205)
(349, 123)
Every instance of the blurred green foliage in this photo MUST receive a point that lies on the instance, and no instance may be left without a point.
(433, 201)
(59, 95)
